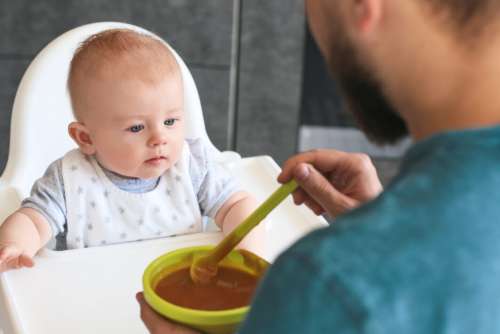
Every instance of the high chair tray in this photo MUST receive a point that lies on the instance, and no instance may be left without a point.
(93, 290)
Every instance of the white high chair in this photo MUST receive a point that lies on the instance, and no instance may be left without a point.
(92, 290)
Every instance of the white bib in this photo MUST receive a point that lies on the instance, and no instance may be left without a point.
(100, 213)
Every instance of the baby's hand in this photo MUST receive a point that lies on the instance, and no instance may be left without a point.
(12, 257)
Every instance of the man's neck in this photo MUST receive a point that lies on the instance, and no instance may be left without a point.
(438, 80)
(461, 93)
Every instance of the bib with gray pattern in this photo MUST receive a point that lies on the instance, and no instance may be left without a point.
(100, 213)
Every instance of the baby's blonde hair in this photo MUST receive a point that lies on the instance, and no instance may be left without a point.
(123, 53)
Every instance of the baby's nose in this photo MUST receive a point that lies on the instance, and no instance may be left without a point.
(158, 138)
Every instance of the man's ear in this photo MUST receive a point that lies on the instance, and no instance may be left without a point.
(80, 134)
(366, 14)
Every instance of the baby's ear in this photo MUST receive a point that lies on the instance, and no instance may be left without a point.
(80, 134)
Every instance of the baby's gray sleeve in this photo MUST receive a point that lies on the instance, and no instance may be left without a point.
(48, 198)
(212, 182)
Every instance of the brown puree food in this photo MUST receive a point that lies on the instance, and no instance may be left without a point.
(232, 288)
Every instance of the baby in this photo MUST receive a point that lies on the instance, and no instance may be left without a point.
(134, 175)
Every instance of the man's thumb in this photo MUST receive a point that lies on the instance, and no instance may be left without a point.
(321, 190)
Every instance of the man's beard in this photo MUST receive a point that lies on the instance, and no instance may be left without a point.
(363, 95)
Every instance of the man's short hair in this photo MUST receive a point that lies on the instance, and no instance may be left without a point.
(465, 15)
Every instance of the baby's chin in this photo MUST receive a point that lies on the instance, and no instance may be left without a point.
(148, 170)
(144, 174)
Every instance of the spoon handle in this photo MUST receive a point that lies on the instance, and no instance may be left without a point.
(234, 238)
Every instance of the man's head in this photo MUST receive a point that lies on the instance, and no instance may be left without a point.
(127, 95)
(381, 51)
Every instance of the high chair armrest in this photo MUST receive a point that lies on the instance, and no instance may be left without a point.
(10, 200)
(228, 158)
(9, 320)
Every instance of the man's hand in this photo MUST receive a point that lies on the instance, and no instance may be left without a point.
(12, 257)
(331, 181)
(156, 324)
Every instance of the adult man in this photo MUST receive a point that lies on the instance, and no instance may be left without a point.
(423, 256)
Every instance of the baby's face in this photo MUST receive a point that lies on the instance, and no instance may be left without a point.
(137, 129)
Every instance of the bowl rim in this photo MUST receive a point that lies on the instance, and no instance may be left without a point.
(194, 316)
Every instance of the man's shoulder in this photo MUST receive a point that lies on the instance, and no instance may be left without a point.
(392, 238)
(354, 247)
(371, 263)
(328, 250)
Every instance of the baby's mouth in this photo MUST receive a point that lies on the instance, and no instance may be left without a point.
(156, 159)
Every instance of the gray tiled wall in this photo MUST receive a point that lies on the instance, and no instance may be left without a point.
(271, 77)
(199, 29)
(214, 86)
(10, 72)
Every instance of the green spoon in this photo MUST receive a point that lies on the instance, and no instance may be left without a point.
(204, 267)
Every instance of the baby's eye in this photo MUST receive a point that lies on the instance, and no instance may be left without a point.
(169, 122)
(136, 128)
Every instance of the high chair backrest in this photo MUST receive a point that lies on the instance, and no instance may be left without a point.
(42, 109)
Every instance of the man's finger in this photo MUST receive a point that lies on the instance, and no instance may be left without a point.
(155, 323)
(142, 303)
(322, 191)
(145, 311)
(323, 160)
(299, 196)
(140, 297)
(314, 207)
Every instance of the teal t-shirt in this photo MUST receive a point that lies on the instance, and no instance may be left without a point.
(423, 257)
